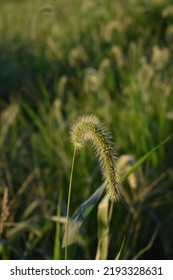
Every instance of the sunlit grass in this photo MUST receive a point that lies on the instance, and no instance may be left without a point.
(60, 61)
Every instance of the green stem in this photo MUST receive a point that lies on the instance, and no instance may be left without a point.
(57, 247)
(68, 204)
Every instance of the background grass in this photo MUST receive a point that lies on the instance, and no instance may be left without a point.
(59, 60)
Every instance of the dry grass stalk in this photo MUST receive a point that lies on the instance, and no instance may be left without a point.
(5, 210)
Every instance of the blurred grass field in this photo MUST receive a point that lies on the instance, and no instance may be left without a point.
(63, 59)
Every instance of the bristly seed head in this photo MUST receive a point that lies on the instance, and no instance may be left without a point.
(89, 128)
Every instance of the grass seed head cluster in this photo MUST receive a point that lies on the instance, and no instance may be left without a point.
(89, 128)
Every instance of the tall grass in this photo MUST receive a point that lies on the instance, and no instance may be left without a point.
(113, 60)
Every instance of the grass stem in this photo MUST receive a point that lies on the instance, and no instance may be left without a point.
(68, 204)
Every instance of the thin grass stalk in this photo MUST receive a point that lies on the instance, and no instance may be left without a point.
(57, 246)
(68, 204)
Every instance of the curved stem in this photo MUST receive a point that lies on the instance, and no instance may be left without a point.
(68, 204)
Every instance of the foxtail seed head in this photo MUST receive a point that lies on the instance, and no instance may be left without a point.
(89, 128)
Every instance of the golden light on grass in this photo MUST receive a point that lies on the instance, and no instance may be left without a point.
(89, 128)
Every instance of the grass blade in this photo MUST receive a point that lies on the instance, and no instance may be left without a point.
(121, 248)
(142, 159)
(57, 243)
(103, 229)
(80, 215)
(148, 247)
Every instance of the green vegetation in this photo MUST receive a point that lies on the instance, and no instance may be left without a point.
(63, 59)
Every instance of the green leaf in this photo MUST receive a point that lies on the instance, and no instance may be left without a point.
(80, 215)
(120, 251)
(142, 159)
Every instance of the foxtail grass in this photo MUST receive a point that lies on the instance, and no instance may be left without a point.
(89, 129)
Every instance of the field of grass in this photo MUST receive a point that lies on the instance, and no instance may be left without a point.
(63, 59)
